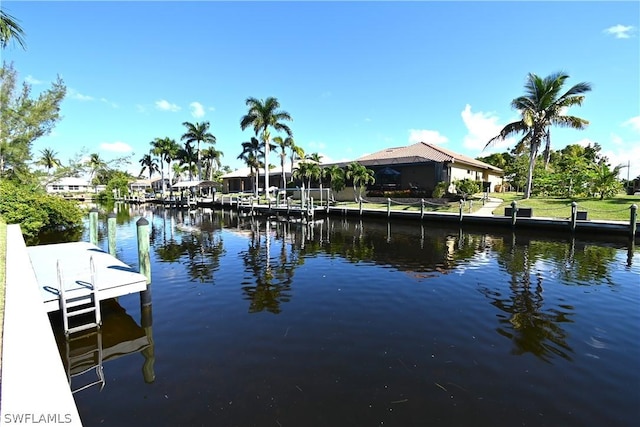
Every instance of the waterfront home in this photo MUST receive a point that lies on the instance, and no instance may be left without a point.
(69, 185)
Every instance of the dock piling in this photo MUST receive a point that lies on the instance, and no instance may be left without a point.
(574, 216)
(514, 212)
(633, 216)
(461, 209)
(144, 259)
(111, 232)
(93, 226)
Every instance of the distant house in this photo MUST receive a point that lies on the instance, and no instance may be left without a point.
(153, 184)
(422, 166)
(70, 185)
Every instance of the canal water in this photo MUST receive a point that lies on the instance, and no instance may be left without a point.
(345, 322)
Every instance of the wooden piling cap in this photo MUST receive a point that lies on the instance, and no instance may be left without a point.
(142, 221)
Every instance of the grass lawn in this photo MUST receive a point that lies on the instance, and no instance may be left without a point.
(613, 209)
(3, 266)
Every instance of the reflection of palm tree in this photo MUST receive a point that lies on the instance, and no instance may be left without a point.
(531, 328)
(270, 289)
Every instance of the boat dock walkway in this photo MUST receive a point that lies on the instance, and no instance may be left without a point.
(34, 384)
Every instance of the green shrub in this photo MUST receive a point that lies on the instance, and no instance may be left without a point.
(36, 210)
(467, 187)
(440, 190)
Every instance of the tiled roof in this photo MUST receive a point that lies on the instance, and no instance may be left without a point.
(420, 152)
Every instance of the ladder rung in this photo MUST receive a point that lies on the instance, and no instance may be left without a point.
(74, 302)
(82, 311)
(82, 328)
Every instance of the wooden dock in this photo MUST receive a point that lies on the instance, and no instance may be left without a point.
(113, 277)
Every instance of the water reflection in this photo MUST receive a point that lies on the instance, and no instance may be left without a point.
(85, 354)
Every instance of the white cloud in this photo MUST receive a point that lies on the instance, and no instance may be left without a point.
(633, 123)
(425, 135)
(583, 142)
(620, 31)
(32, 80)
(106, 101)
(74, 94)
(481, 127)
(626, 156)
(118, 147)
(197, 109)
(165, 105)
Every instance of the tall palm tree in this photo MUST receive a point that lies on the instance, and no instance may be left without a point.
(309, 171)
(543, 105)
(148, 162)
(187, 156)
(361, 176)
(251, 153)
(283, 144)
(48, 159)
(212, 161)
(10, 30)
(263, 115)
(335, 174)
(198, 132)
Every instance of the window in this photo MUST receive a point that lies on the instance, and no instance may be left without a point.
(57, 187)
(74, 187)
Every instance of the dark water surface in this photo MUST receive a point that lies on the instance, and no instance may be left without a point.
(365, 323)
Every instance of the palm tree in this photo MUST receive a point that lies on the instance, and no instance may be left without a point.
(263, 115)
(297, 152)
(10, 30)
(96, 165)
(212, 161)
(48, 159)
(198, 132)
(605, 180)
(335, 174)
(541, 107)
(308, 171)
(251, 153)
(148, 162)
(186, 156)
(283, 144)
(361, 176)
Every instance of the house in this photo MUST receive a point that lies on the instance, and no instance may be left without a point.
(242, 180)
(69, 185)
(422, 166)
(152, 185)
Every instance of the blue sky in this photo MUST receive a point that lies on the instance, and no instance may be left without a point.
(356, 77)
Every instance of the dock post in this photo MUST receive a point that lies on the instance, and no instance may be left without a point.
(421, 208)
(461, 210)
(360, 201)
(633, 216)
(288, 205)
(388, 207)
(574, 216)
(144, 259)
(514, 211)
(111, 232)
(93, 226)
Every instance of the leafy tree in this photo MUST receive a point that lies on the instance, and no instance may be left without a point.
(35, 210)
(10, 30)
(263, 115)
(24, 119)
(48, 159)
(198, 132)
(361, 176)
(542, 107)
(297, 153)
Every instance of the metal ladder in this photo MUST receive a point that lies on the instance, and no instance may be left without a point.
(78, 302)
